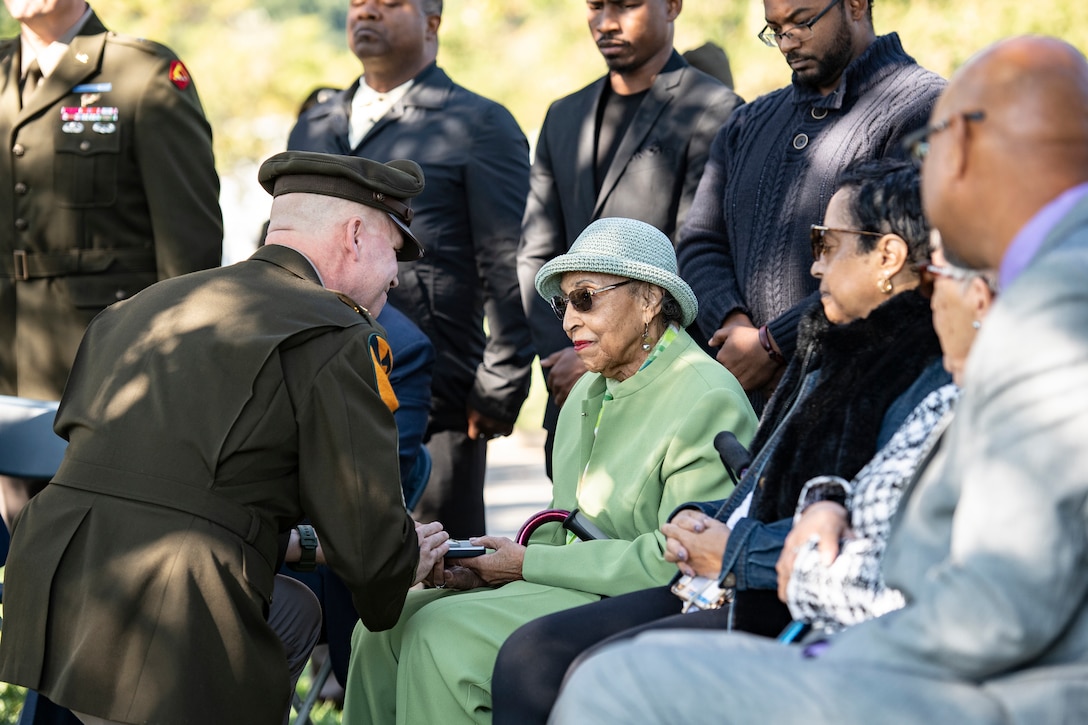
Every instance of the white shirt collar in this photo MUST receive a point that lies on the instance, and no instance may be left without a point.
(50, 56)
(368, 106)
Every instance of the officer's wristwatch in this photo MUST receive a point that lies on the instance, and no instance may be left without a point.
(307, 540)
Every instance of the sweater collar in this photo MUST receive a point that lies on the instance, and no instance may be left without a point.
(882, 57)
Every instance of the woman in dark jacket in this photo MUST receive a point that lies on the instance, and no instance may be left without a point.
(865, 357)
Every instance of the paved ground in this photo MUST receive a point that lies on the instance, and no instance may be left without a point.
(516, 486)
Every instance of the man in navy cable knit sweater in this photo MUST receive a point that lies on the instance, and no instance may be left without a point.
(744, 246)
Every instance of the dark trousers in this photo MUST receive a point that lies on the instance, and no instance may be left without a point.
(338, 614)
(535, 659)
(455, 491)
(40, 710)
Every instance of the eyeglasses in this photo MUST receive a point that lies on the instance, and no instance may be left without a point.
(800, 33)
(581, 299)
(928, 274)
(819, 245)
(917, 143)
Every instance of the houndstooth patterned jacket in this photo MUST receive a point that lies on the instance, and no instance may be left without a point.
(852, 589)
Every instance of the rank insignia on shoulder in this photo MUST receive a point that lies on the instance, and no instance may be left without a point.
(179, 75)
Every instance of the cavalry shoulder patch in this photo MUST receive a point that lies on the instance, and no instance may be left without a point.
(383, 365)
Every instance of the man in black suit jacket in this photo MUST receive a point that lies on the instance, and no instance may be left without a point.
(631, 144)
(468, 218)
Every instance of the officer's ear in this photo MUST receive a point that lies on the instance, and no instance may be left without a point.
(351, 241)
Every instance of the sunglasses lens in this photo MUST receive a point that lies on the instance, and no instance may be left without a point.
(581, 300)
(559, 306)
(817, 238)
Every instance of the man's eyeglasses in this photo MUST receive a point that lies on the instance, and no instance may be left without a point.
(819, 244)
(800, 33)
(928, 274)
(581, 299)
(917, 143)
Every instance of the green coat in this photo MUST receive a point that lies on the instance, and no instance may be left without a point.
(92, 210)
(653, 451)
(204, 416)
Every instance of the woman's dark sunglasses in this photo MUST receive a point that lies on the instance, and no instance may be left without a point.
(580, 299)
(819, 246)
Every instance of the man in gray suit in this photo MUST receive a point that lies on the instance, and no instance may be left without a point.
(991, 545)
(631, 144)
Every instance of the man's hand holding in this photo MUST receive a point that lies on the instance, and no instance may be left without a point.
(563, 368)
(741, 352)
(482, 426)
(433, 546)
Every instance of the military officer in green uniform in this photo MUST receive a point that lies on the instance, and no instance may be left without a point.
(205, 416)
(109, 185)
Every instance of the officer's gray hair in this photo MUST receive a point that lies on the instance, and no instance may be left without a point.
(432, 7)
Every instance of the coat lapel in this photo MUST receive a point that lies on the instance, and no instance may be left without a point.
(586, 160)
(83, 60)
(337, 116)
(10, 67)
(591, 410)
(431, 89)
(655, 102)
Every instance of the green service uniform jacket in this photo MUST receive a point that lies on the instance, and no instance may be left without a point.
(109, 186)
(653, 450)
(204, 416)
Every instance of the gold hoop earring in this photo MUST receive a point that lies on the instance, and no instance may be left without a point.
(885, 285)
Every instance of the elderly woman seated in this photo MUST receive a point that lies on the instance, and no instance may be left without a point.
(866, 356)
(829, 573)
(633, 442)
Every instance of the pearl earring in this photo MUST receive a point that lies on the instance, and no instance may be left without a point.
(646, 337)
(977, 324)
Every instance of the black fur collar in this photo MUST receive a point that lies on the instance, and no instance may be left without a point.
(863, 367)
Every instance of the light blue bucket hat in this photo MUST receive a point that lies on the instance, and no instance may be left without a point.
(625, 248)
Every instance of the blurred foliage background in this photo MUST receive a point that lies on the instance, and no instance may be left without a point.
(255, 61)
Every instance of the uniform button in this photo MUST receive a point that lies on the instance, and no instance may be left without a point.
(84, 145)
(20, 188)
(21, 224)
(800, 141)
(18, 149)
(819, 113)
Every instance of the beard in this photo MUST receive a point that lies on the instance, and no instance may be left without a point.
(832, 63)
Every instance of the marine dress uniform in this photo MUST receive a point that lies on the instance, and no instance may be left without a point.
(109, 185)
